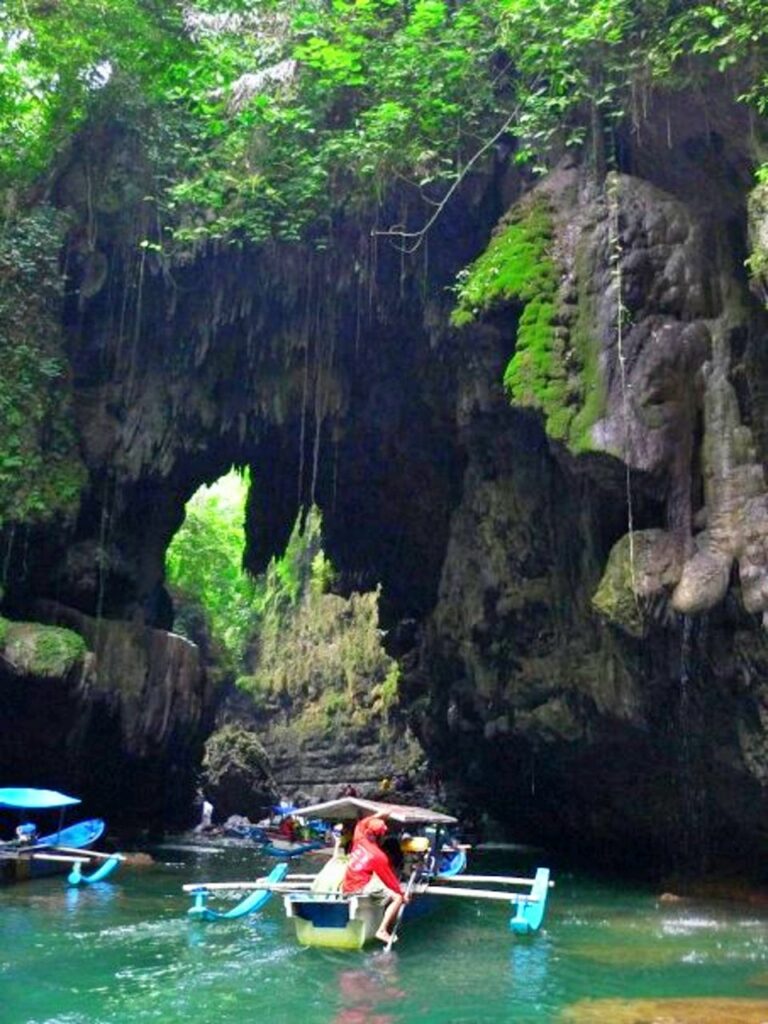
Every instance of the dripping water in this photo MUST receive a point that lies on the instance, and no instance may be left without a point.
(307, 334)
(137, 324)
(105, 523)
(690, 753)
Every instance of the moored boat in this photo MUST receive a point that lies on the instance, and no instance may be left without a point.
(432, 864)
(64, 851)
(284, 835)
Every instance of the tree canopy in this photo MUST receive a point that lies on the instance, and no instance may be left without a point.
(277, 115)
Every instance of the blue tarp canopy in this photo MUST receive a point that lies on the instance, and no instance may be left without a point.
(35, 799)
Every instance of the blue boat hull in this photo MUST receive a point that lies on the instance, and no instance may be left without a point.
(18, 865)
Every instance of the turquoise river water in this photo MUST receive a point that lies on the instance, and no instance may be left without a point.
(124, 952)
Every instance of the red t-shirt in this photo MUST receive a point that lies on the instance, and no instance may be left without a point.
(365, 861)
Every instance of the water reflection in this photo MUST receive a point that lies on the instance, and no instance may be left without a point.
(367, 994)
(100, 894)
(530, 970)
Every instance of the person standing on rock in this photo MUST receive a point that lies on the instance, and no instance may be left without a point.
(206, 815)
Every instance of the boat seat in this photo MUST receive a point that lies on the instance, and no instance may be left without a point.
(329, 878)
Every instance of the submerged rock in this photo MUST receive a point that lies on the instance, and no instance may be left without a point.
(666, 1011)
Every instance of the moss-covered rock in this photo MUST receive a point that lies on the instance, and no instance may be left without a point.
(47, 652)
(518, 267)
(236, 772)
(641, 567)
(326, 661)
(554, 366)
(666, 1011)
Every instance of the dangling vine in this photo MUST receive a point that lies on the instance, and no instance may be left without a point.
(615, 255)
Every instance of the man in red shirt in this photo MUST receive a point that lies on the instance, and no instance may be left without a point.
(369, 871)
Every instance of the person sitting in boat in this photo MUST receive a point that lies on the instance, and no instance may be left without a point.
(370, 872)
(26, 833)
(287, 828)
(341, 838)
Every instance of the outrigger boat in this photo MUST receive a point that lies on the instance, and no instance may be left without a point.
(65, 850)
(433, 866)
(277, 842)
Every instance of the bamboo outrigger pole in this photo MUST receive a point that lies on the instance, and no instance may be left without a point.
(259, 883)
(90, 853)
(499, 879)
(478, 894)
(59, 857)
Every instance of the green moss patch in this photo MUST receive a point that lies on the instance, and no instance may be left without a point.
(616, 599)
(48, 652)
(627, 584)
(518, 267)
(552, 369)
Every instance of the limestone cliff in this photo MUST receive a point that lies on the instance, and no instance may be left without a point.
(561, 494)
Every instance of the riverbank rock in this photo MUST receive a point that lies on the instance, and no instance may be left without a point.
(667, 1011)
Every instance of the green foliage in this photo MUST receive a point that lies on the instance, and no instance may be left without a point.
(389, 691)
(302, 568)
(325, 662)
(379, 87)
(55, 56)
(205, 558)
(205, 562)
(278, 114)
(312, 650)
(41, 473)
(313, 653)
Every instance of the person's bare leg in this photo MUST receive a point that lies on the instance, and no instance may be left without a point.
(384, 933)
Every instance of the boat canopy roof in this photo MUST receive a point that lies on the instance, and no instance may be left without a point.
(35, 799)
(352, 807)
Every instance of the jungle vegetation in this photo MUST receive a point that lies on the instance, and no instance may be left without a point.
(273, 118)
(283, 634)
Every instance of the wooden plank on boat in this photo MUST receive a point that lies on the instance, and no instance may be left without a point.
(499, 879)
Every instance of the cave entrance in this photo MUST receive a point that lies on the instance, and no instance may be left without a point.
(219, 604)
(213, 594)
